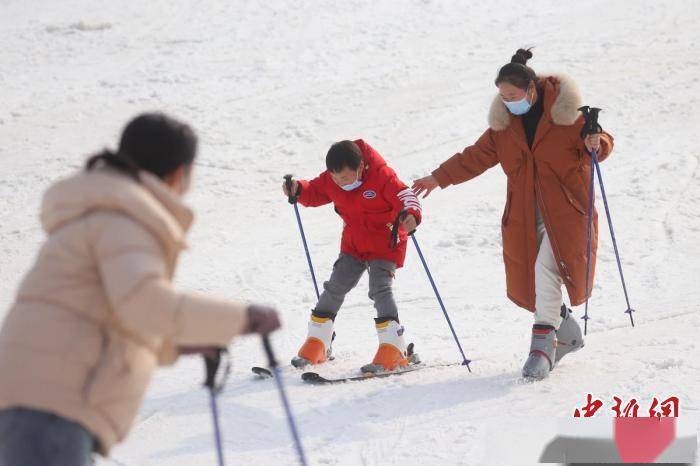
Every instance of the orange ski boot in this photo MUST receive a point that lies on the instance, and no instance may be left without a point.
(317, 347)
(392, 353)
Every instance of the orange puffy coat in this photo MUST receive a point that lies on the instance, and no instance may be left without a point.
(555, 173)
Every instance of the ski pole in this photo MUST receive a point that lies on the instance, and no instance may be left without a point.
(589, 235)
(591, 126)
(293, 200)
(283, 395)
(211, 364)
(465, 361)
(612, 235)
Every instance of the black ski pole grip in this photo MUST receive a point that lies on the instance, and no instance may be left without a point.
(288, 183)
(272, 361)
(591, 126)
(211, 364)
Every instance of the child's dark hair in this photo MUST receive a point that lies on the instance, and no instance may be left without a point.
(343, 154)
(517, 72)
(151, 142)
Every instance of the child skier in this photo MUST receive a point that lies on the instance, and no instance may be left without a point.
(369, 197)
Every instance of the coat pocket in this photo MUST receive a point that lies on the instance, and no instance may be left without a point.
(506, 211)
(572, 200)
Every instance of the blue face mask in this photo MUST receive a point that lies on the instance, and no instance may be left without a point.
(518, 107)
(354, 185)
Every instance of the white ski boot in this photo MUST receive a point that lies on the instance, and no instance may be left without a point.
(317, 348)
(543, 348)
(569, 335)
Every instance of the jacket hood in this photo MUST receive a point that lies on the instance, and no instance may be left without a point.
(562, 99)
(370, 156)
(150, 202)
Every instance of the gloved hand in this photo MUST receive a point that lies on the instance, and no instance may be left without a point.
(262, 319)
(295, 188)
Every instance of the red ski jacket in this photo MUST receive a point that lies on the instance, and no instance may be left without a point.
(369, 211)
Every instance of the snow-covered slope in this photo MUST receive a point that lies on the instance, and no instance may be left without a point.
(268, 86)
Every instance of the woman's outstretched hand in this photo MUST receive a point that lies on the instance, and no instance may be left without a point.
(425, 185)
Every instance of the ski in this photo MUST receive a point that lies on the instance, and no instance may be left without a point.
(265, 373)
(317, 379)
(262, 372)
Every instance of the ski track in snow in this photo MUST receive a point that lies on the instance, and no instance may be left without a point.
(268, 86)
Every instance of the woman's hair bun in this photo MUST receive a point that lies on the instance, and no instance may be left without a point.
(521, 56)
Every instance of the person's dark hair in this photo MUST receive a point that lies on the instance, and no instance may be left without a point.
(343, 154)
(517, 72)
(151, 142)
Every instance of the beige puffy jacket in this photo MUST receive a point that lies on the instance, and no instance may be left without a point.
(97, 312)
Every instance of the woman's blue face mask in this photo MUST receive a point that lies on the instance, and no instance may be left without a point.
(518, 107)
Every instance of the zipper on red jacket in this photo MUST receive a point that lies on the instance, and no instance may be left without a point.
(552, 238)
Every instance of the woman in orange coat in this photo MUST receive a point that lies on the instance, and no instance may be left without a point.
(534, 133)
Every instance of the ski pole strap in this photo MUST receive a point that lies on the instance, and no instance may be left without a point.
(394, 237)
(591, 126)
(292, 196)
(212, 363)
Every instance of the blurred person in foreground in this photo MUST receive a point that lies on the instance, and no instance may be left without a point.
(98, 312)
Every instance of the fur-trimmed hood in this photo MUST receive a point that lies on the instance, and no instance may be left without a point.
(564, 109)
